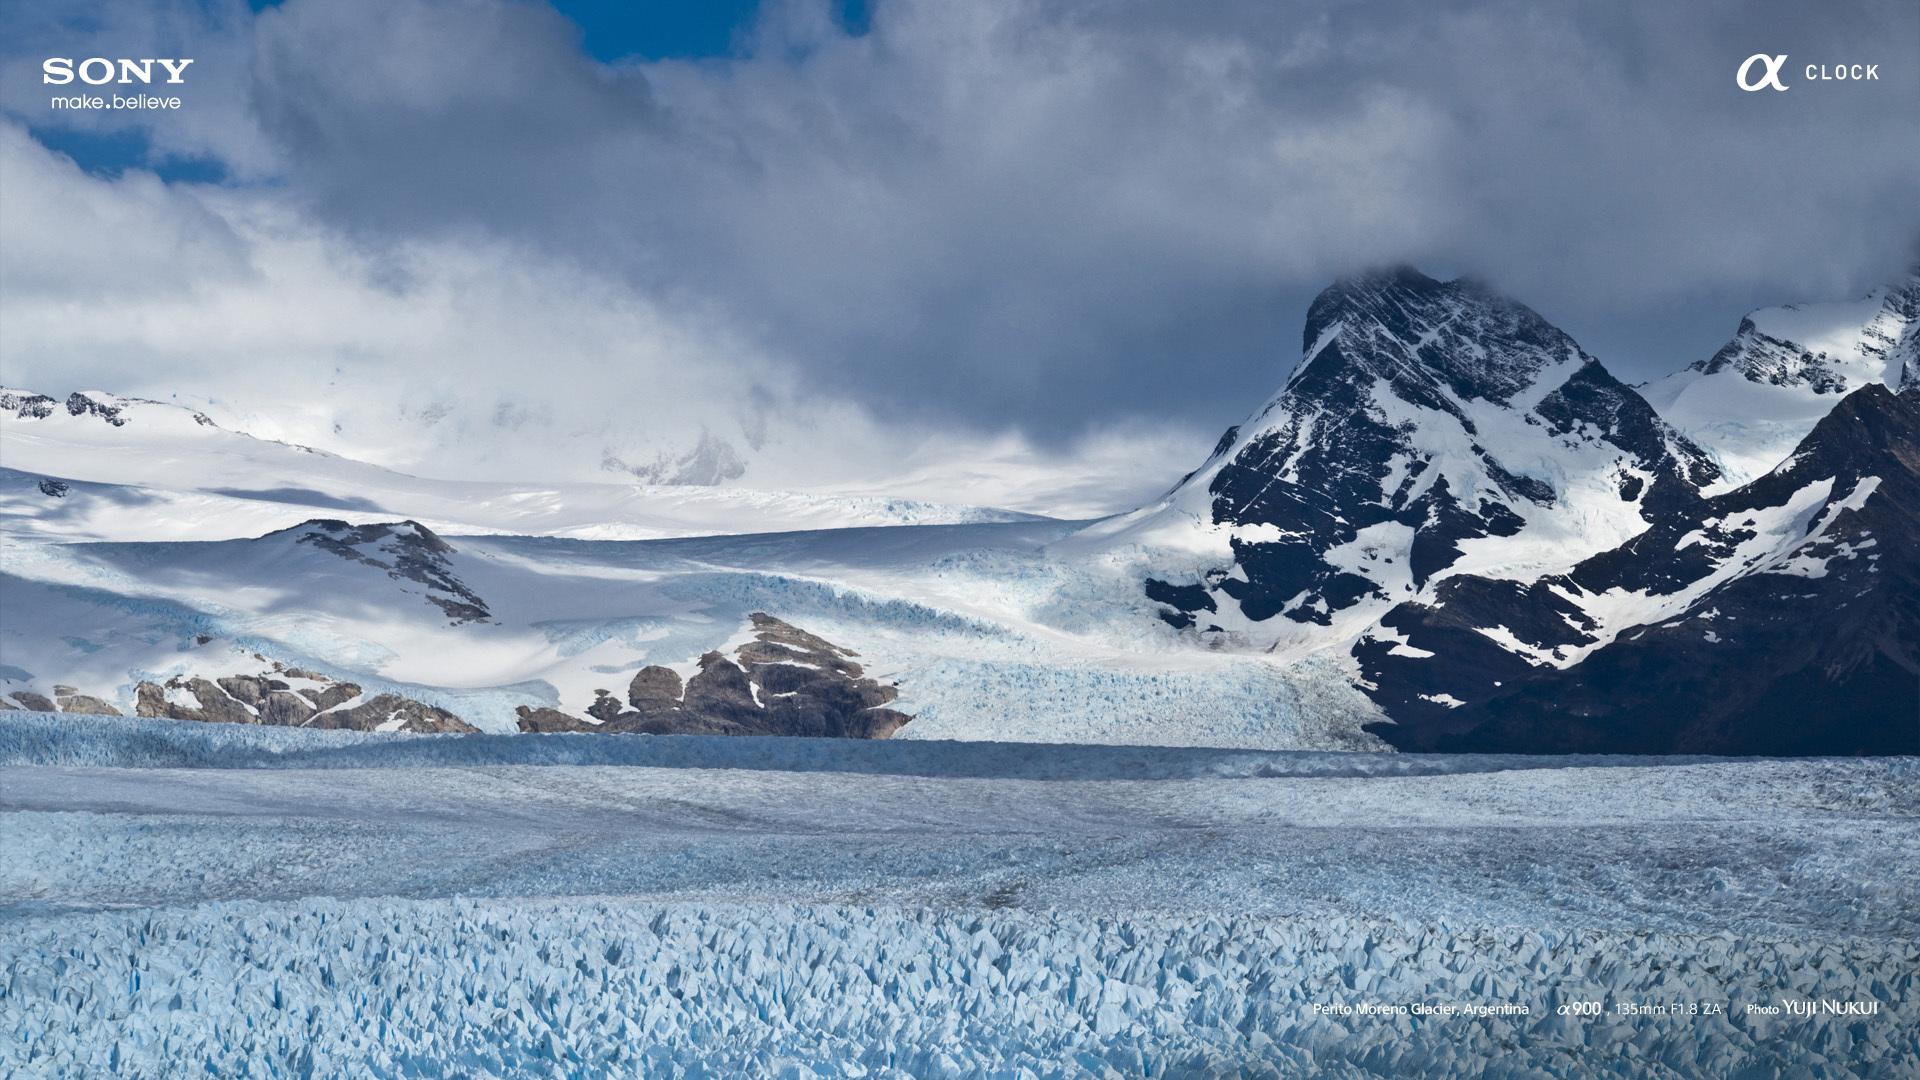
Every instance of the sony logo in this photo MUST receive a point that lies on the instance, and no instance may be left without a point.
(97, 70)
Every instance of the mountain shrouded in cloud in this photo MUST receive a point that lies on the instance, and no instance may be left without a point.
(959, 225)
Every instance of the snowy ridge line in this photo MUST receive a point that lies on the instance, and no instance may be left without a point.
(28, 739)
(487, 988)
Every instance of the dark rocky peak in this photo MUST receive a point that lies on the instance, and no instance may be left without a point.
(1421, 334)
(406, 551)
(1872, 433)
(1763, 358)
(1788, 346)
(1425, 415)
(26, 405)
(1775, 618)
(1872, 420)
(1377, 292)
(113, 409)
(104, 406)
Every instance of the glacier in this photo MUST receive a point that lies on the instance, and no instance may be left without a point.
(263, 901)
(399, 988)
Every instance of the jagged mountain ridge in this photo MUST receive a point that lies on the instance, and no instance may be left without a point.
(1752, 401)
(1442, 454)
(1430, 427)
(1438, 446)
(1781, 618)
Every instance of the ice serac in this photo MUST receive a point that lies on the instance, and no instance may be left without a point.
(1430, 428)
(1779, 618)
(1750, 403)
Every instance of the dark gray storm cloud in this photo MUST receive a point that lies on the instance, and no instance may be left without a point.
(1064, 214)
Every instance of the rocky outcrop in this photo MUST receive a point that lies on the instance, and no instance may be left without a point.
(32, 702)
(391, 712)
(785, 681)
(73, 701)
(291, 697)
(26, 405)
(101, 405)
(65, 699)
(405, 551)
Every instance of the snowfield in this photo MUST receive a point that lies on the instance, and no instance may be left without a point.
(250, 901)
(988, 635)
(159, 471)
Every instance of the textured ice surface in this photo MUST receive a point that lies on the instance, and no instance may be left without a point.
(484, 988)
(122, 742)
(319, 903)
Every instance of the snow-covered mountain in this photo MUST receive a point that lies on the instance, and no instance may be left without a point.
(96, 466)
(1753, 401)
(388, 626)
(1451, 527)
(1782, 617)
(985, 631)
(1431, 428)
(1517, 552)
(230, 561)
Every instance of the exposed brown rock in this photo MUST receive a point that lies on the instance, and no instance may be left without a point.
(85, 704)
(544, 720)
(268, 699)
(415, 717)
(655, 687)
(330, 695)
(785, 681)
(605, 706)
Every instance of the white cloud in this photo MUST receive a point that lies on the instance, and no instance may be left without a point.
(451, 357)
(1007, 220)
(216, 122)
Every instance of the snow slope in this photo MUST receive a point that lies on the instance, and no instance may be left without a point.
(988, 634)
(1754, 400)
(145, 470)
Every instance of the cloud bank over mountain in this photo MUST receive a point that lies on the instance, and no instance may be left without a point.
(967, 230)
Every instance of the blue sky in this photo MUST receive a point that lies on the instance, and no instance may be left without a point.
(611, 31)
(663, 30)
